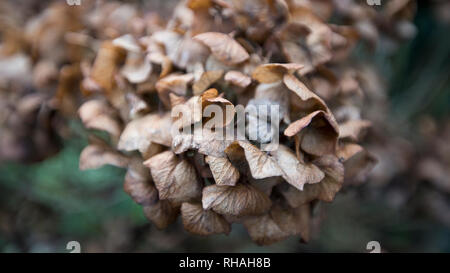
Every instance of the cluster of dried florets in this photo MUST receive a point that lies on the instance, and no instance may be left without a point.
(230, 53)
(211, 52)
(35, 79)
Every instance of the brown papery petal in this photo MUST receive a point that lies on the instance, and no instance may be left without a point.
(176, 83)
(353, 129)
(325, 190)
(267, 184)
(203, 222)
(319, 133)
(261, 164)
(139, 133)
(273, 72)
(313, 101)
(139, 185)
(357, 166)
(106, 63)
(223, 47)
(227, 111)
(276, 93)
(348, 150)
(128, 42)
(237, 78)
(210, 142)
(95, 156)
(263, 230)
(223, 171)
(163, 61)
(239, 200)
(97, 114)
(293, 221)
(206, 80)
(296, 173)
(137, 68)
(175, 179)
(162, 213)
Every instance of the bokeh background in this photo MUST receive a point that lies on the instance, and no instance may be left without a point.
(404, 204)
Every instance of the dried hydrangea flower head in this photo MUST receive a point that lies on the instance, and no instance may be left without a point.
(231, 55)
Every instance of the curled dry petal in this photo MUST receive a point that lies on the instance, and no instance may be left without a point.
(189, 52)
(223, 171)
(139, 185)
(163, 61)
(358, 163)
(267, 184)
(95, 156)
(263, 230)
(223, 47)
(203, 222)
(296, 173)
(353, 129)
(137, 68)
(97, 114)
(325, 190)
(196, 109)
(162, 213)
(206, 80)
(273, 72)
(310, 100)
(227, 109)
(318, 131)
(204, 140)
(239, 200)
(275, 94)
(293, 221)
(137, 106)
(106, 64)
(141, 132)
(348, 150)
(175, 179)
(279, 223)
(176, 83)
(238, 78)
(127, 42)
(260, 163)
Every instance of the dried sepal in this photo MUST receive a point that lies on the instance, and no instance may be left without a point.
(206, 80)
(223, 47)
(260, 163)
(318, 133)
(309, 100)
(97, 114)
(203, 222)
(273, 72)
(106, 65)
(175, 178)
(295, 172)
(176, 83)
(141, 132)
(137, 68)
(97, 155)
(237, 78)
(223, 171)
(325, 190)
(138, 183)
(204, 140)
(357, 162)
(263, 230)
(162, 213)
(238, 200)
(353, 129)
